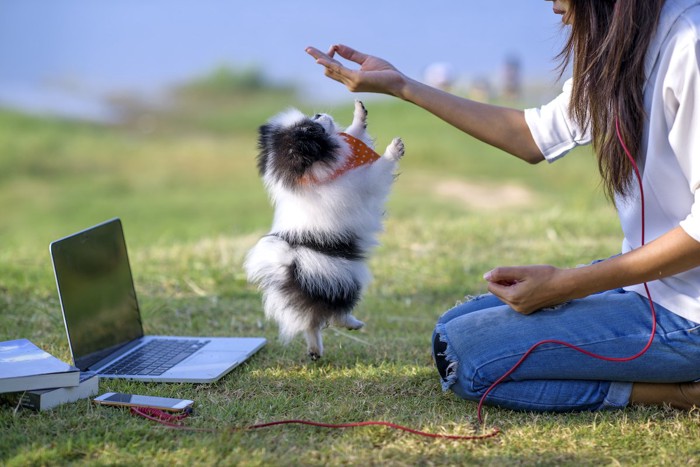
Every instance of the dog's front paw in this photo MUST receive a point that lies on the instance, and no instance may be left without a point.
(360, 115)
(314, 356)
(395, 150)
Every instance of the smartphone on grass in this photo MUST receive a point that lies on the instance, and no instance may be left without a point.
(133, 400)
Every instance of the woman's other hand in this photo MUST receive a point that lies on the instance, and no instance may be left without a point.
(527, 289)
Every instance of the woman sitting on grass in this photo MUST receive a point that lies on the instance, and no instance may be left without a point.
(635, 89)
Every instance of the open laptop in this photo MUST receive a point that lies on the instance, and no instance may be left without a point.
(103, 320)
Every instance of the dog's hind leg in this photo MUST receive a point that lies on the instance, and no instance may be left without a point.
(314, 343)
(348, 321)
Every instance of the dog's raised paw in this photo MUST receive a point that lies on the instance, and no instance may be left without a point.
(314, 356)
(360, 113)
(396, 149)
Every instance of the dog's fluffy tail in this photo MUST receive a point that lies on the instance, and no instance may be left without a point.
(268, 265)
(268, 261)
(304, 290)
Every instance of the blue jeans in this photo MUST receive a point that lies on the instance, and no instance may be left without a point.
(477, 342)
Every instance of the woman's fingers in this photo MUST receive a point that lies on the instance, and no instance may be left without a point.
(348, 53)
(373, 75)
(328, 59)
(526, 288)
(334, 69)
(321, 58)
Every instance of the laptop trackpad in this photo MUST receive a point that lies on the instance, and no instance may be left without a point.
(206, 365)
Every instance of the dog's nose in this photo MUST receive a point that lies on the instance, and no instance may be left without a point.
(317, 116)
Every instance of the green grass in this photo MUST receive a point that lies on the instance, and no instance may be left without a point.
(185, 184)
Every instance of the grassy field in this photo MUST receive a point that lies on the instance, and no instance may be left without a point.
(184, 183)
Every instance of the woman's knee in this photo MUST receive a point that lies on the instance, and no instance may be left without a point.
(449, 367)
(469, 343)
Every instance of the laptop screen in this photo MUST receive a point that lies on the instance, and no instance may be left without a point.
(97, 293)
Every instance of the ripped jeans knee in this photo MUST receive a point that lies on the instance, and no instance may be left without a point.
(446, 361)
(440, 357)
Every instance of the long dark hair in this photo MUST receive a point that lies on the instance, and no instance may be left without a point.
(608, 44)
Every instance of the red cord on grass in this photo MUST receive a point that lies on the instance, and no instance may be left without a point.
(574, 347)
(169, 421)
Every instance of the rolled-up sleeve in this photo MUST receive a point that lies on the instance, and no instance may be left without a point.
(684, 136)
(553, 130)
(691, 224)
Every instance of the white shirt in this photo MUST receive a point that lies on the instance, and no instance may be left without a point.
(671, 148)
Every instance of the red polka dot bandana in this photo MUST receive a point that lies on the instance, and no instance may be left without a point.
(361, 154)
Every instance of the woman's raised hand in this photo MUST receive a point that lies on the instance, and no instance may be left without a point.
(374, 75)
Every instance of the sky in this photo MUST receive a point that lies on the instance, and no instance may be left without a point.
(69, 53)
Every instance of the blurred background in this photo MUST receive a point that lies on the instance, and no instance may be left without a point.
(148, 110)
(74, 57)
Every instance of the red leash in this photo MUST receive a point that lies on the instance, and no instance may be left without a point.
(171, 421)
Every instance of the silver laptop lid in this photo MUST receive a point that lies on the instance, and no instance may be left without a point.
(96, 290)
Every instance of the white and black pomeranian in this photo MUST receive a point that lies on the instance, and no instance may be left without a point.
(328, 188)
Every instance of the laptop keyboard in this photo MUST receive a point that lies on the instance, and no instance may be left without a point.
(156, 357)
